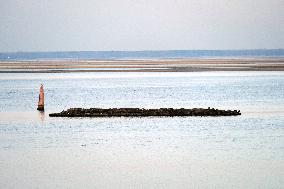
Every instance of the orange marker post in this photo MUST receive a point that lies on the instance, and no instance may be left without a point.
(40, 106)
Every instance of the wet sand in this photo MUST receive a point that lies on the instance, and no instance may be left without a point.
(168, 65)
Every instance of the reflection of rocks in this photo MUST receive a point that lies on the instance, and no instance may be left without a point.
(137, 112)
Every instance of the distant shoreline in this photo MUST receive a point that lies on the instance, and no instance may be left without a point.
(157, 65)
(141, 54)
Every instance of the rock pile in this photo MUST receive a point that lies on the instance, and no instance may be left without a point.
(141, 112)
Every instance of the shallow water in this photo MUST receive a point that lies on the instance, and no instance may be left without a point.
(246, 151)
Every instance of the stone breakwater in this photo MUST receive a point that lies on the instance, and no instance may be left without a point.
(141, 112)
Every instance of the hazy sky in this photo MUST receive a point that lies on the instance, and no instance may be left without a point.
(63, 25)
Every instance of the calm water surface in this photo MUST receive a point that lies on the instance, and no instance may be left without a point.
(246, 151)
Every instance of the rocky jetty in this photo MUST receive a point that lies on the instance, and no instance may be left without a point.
(141, 112)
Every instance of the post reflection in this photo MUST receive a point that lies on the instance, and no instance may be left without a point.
(41, 115)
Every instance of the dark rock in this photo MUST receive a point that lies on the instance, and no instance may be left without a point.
(137, 112)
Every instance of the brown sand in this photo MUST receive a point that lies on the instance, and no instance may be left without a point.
(168, 65)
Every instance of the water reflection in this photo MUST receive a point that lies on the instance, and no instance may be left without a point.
(193, 151)
(41, 115)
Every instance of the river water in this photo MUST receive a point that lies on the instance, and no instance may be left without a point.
(245, 151)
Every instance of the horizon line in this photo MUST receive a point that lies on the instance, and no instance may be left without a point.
(260, 49)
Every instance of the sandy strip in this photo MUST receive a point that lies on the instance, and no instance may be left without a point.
(168, 65)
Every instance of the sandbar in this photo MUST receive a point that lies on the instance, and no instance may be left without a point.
(160, 65)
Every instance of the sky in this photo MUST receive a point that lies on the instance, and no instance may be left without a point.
(98, 25)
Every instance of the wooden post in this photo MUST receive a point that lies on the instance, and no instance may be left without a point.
(40, 106)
